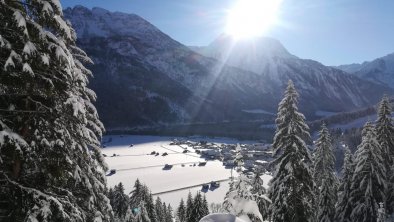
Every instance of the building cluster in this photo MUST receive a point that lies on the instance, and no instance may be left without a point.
(248, 156)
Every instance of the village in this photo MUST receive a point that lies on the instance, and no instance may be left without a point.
(250, 157)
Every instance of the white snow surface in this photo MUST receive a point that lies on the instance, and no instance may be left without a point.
(221, 218)
(136, 162)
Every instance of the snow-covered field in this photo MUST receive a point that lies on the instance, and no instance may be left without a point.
(170, 184)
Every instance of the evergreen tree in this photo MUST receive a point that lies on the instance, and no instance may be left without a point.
(150, 207)
(137, 194)
(205, 209)
(385, 136)
(119, 201)
(259, 191)
(368, 182)
(141, 215)
(159, 210)
(181, 212)
(326, 202)
(240, 196)
(324, 177)
(344, 205)
(291, 189)
(198, 210)
(46, 114)
(227, 203)
(169, 216)
(165, 212)
(189, 207)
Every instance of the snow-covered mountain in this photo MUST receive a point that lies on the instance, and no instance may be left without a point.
(268, 58)
(380, 70)
(145, 78)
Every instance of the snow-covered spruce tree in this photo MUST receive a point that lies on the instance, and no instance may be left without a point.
(137, 194)
(181, 212)
(198, 209)
(240, 201)
(324, 159)
(260, 194)
(189, 206)
(326, 202)
(227, 203)
(324, 177)
(205, 208)
(150, 207)
(169, 216)
(51, 163)
(368, 182)
(141, 215)
(165, 212)
(344, 205)
(291, 188)
(385, 136)
(159, 210)
(119, 201)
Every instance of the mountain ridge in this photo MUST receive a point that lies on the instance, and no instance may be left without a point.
(145, 78)
(380, 70)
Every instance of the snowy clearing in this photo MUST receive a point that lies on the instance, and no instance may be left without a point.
(136, 161)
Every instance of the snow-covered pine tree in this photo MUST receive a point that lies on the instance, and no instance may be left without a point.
(137, 194)
(344, 205)
(291, 188)
(324, 177)
(385, 136)
(189, 207)
(119, 201)
(260, 194)
(141, 215)
(240, 201)
(368, 182)
(227, 203)
(46, 114)
(150, 206)
(165, 212)
(326, 202)
(159, 210)
(181, 212)
(324, 159)
(205, 209)
(169, 216)
(198, 209)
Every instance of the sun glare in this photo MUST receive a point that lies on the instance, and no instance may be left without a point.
(250, 18)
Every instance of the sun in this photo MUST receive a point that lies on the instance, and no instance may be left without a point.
(251, 18)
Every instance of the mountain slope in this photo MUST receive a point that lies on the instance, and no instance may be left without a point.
(380, 70)
(323, 87)
(144, 78)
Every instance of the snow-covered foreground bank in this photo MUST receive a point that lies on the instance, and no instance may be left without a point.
(132, 162)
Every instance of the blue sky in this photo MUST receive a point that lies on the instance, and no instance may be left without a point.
(333, 32)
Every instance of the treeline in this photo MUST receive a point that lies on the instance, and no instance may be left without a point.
(139, 206)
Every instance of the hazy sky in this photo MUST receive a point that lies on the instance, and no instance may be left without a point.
(330, 31)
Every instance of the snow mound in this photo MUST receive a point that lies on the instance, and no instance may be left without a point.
(221, 218)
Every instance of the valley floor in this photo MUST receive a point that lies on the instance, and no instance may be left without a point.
(136, 161)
